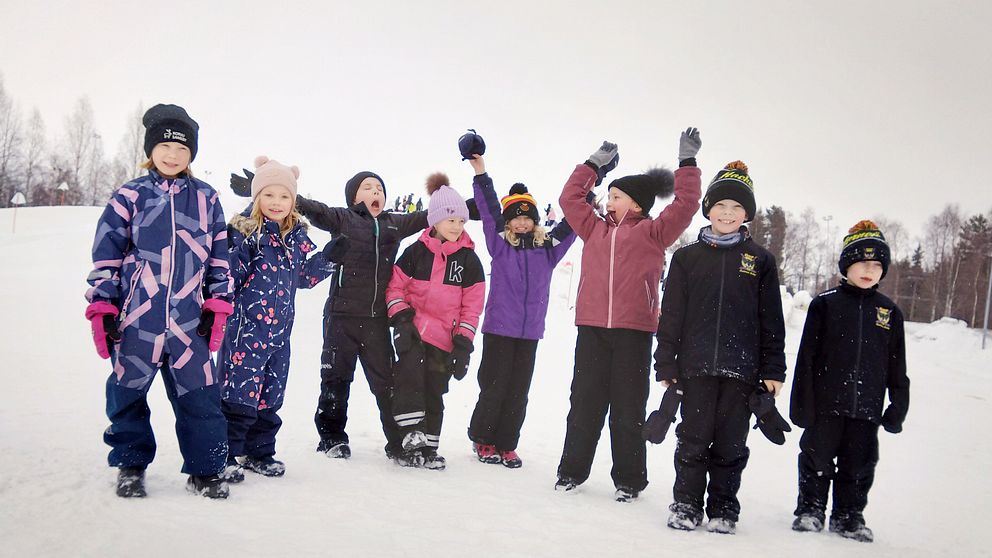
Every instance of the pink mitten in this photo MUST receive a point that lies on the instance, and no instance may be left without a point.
(102, 316)
(213, 319)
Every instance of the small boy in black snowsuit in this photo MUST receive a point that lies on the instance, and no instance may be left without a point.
(853, 350)
(355, 323)
(721, 333)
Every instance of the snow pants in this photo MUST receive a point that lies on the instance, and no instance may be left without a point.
(421, 382)
(346, 341)
(612, 369)
(712, 440)
(504, 381)
(200, 424)
(254, 388)
(853, 443)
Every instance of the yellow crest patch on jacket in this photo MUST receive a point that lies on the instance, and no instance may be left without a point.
(883, 317)
(749, 264)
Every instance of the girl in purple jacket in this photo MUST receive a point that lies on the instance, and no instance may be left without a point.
(524, 256)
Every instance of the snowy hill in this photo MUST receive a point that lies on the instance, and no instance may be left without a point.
(56, 492)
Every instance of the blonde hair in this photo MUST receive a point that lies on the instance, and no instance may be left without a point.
(288, 224)
(540, 235)
(149, 165)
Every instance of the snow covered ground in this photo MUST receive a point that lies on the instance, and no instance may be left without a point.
(56, 492)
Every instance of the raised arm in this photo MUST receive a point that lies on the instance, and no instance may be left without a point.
(322, 216)
(574, 196)
(675, 218)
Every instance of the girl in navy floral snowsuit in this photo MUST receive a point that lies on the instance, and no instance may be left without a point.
(268, 255)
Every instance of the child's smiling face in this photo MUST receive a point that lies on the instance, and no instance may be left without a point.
(171, 158)
(864, 274)
(619, 203)
(727, 216)
(276, 202)
(450, 229)
(370, 191)
(521, 224)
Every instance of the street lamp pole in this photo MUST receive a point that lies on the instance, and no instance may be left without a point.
(988, 295)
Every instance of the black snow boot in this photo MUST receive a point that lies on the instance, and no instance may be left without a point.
(565, 484)
(266, 466)
(626, 494)
(233, 472)
(808, 523)
(334, 450)
(131, 482)
(851, 526)
(209, 486)
(432, 460)
(684, 517)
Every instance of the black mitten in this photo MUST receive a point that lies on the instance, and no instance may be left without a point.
(891, 421)
(335, 250)
(457, 363)
(206, 323)
(114, 335)
(656, 427)
(771, 423)
(405, 334)
(241, 185)
(473, 210)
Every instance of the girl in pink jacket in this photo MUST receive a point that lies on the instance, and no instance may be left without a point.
(434, 300)
(616, 311)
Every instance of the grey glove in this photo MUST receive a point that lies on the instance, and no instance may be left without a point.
(606, 154)
(689, 144)
(604, 160)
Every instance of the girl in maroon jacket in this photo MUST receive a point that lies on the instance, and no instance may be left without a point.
(617, 307)
(434, 300)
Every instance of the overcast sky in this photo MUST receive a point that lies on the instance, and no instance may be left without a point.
(856, 108)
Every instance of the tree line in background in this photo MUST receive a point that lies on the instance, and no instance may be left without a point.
(944, 273)
(73, 169)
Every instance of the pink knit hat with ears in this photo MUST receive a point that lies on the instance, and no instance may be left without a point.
(269, 172)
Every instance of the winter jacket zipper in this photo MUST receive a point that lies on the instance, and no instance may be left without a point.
(613, 245)
(375, 278)
(172, 255)
(857, 357)
(523, 324)
(719, 309)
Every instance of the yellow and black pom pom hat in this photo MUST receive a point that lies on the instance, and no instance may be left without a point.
(519, 202)
(731, 183)
(864, 242)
